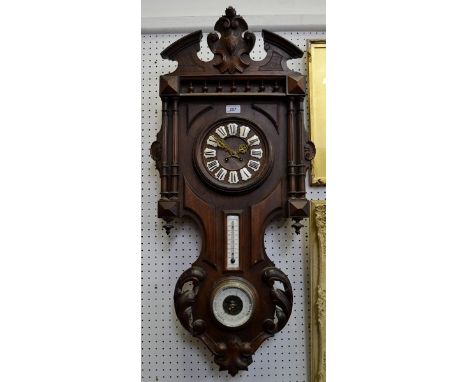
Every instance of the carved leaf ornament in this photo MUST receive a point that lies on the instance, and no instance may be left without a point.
(233, 44)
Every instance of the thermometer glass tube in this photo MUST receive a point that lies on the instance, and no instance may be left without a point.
(232, 242)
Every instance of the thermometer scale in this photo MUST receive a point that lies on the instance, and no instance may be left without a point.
(232, 242)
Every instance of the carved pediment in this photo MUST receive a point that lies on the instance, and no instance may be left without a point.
(231, 44)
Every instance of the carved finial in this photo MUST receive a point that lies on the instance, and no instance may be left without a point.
(297, 225)
(230, 12)
(168, 226)
(232, 46)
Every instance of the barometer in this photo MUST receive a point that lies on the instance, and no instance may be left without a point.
(233, 302)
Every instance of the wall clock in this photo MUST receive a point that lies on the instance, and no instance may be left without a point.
(232, 155)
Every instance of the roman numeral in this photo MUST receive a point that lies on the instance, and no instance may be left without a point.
(233, 178)
(245, 174)
(211, 141)
(244, 131)
(232, 128)
(253, 140)
(212, 165)
(221, 173)
(221, 130)
(257, 153)
(254, 165)
(209, 153)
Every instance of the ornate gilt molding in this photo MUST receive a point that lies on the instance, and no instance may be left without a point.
(318, 290)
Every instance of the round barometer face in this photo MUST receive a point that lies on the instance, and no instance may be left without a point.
(233, 155)
(233, 303)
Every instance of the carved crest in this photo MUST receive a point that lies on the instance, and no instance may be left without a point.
(232, 48)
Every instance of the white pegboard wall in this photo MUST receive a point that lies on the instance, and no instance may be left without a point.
(169, 353)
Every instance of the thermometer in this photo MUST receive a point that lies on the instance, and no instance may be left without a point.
(232, 242)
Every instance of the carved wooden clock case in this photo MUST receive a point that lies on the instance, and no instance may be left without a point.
(232, 155)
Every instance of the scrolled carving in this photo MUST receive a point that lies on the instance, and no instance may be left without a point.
(234, 45)
(309, 151)
(184, 300)
(234, 355)
(282, 299)
(156, 153)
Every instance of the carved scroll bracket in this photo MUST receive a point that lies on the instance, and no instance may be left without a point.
(185, 298)
(282, 298)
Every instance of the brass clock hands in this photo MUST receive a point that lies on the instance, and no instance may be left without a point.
(242, 149)
(232, 153)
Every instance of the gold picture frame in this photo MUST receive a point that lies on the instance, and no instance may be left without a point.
(317, 109)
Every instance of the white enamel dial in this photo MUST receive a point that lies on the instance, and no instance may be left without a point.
(234, 154)
(233, 303)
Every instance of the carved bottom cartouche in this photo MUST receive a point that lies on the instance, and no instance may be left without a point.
(234, 355)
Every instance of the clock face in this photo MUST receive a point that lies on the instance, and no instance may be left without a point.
(233, 303)
(233, 155)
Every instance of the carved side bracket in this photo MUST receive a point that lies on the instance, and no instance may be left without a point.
(156, 154)
(184, 299)
(282, 299)
(309, 151)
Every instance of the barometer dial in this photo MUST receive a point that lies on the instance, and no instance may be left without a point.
(233, 303)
